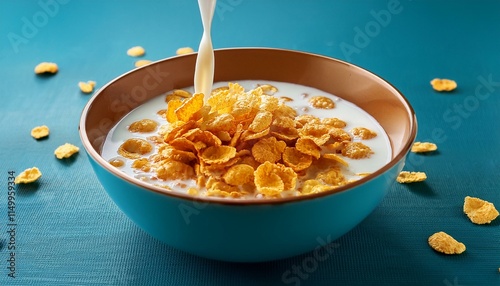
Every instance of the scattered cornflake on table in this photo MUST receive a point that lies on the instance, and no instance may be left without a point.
(406, 177)
(136, 51)
(421, 147)
(444, 243)
(27, 176)
(66, 151)
(479, 211)
(86, 87)
(443, 84)
(40, 132)
(141, 63)
(184, 50)
(46, 67)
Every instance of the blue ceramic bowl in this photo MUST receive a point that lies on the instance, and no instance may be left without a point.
(249, 230)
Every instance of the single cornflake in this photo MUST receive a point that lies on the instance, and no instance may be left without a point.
(184, 50)
(238, 175)
(420, 147)
(363, 133)
(46, 67)
(143, 126)
(479, 211)
(134, 148)
(295, 159)
(27, 176)
(411, 177)
(356, 150)
(141, 63)
(322, 102)
(136, 51)
(65, 151)
(86, 87)
(444, 243)
(40, 132)
(218, 154)
(268, 149)
(443, 84)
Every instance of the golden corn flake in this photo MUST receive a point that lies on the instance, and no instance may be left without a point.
(171, 108)
(322, 102)
(332, 176)
(314, 187)
(218, 154)
(335, 158)
(363, 133)
(136, 51)
(143, 126)
(318, 133)
(189, 107)
(40, 132)
(334, 122)
(307, 146)
(268, 149)
(268, 89)
(444, 243)
(141, 63)
(174, 170)
(184, 50)
(65, 151)
(134, 148)
(27, 176)
(420, 147)
(443, 84)
(271, 179)
(261, 121)
(238, 175)
(46, 67)
(86, 87)
(356, 150)
(411, 177)
(117, 162)
(177, 94)
(142, 164)
(479, 211)
(296, 160)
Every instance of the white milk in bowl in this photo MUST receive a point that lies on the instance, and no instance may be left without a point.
(254, 139)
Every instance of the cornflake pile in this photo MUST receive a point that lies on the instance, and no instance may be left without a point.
(246, 144)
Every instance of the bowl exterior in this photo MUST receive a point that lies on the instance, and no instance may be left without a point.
(246, 233)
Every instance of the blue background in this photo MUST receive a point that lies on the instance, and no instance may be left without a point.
(70, 233)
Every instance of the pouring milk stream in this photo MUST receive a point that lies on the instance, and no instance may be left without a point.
(204, 73)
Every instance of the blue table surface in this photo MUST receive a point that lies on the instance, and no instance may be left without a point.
(69, 232)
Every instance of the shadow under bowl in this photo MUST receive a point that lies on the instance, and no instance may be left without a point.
(248, 230)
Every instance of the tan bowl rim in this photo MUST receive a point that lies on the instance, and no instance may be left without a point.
(247, 202)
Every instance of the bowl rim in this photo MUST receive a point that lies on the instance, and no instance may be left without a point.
(94, 154)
